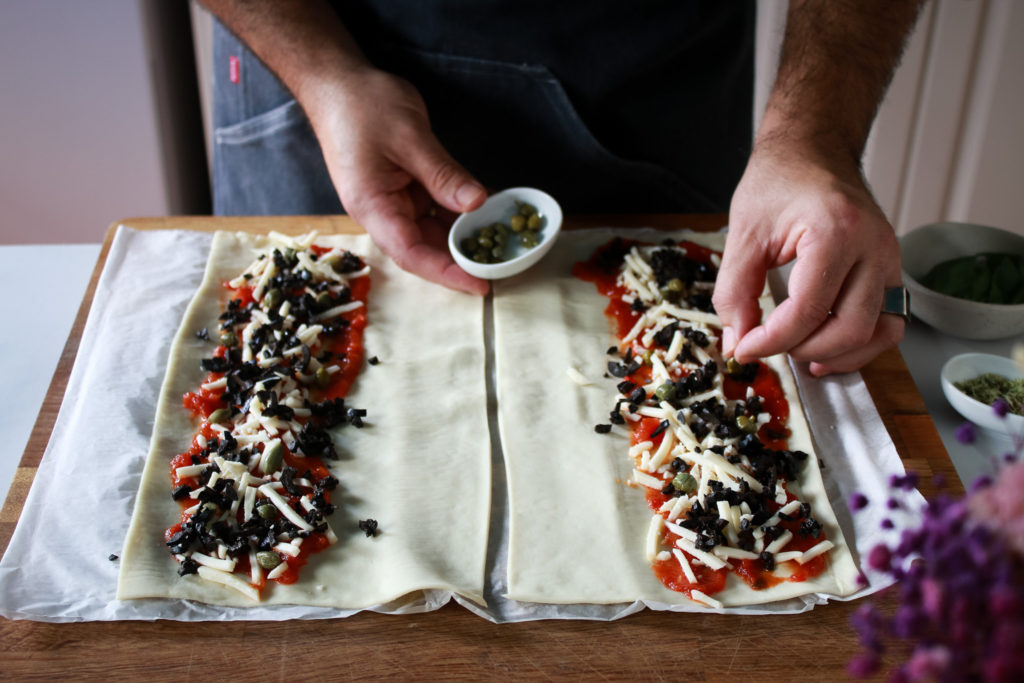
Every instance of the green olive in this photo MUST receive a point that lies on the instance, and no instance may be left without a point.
(272, 458)
(324, 300)
(273, 298)
(674, 285)
(485, 242)
(534, 222)
(220, 415)
(486, 231)
(517, 223)
(323, 378)
(268, 511)
(666, 392)
(228, 338)
(526, 209)
(268, 559)
(469, 245)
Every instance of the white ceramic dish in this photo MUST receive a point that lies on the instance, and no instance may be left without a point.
(934, 243)
(968, 366)
(499, 207)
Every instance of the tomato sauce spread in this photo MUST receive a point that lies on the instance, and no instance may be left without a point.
(708, 436)
(254, 488)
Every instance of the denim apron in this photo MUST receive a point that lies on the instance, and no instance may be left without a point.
(667, 131)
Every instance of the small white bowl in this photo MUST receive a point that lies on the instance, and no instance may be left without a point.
(499, 207)
(968, 366)
(929, 245)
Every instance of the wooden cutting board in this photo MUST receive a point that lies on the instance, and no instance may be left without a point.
(452, 642)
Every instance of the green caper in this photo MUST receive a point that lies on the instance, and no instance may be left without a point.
(497, 252)
(324, 300)
(273, 298)
(500, 229)
(485, 242)
(268, 559)
(289, 255)
(685, 482)
(666, 392)
(526, 209)
(646, 356)
(534, 222)
(528, 240)
(480, 256)
(674, 285)
(219, 415)
(469, 245)
(517, 223)
(268, 511)
(732, 366)
(228, 338)
(486, 231)
(746, 423)
(272, 457)
(501, 239)
(323, 378)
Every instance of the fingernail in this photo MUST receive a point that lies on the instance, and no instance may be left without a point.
(728, 341)
(467, 194)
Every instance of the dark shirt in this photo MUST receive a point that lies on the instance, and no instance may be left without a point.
(609, 105)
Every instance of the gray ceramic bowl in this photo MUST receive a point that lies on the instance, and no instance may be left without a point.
(934, 243)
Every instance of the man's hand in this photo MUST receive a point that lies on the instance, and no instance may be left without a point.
(803, 197)
(392, 175)
(788, 207)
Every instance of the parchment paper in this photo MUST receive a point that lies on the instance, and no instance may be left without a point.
(56, 567)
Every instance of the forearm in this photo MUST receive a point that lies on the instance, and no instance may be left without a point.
(302, 41)
(837, 59)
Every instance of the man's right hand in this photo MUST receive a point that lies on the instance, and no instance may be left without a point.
(391, 173)
(393, 176)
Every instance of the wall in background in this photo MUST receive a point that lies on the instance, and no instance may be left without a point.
(948, 143)
(100, 117)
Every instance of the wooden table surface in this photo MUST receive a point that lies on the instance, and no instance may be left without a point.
(452, 643)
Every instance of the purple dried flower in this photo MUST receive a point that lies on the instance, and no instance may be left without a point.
(863, 665)
(892, 504)
(858, 501)
(965, 433)
(880, 558)
(1000, 407)
(887, 524)
(928, 663)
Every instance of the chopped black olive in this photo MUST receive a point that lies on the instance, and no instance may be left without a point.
(810, 527)
(373, 360)
(612, 351)
(625, 387)
(188, 566)
(112, 557)
(181, 492)
(203, 334)
(368, 527)
(602, 428)
(638, 306)
(638, 395)
(769, 561)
